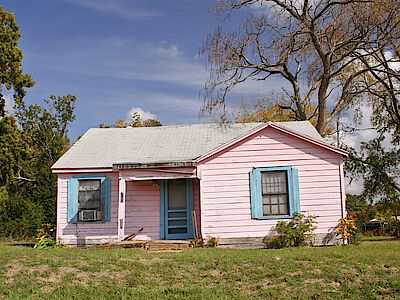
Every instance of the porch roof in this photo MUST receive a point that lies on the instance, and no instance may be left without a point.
(166, 145)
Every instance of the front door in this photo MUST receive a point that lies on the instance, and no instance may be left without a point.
(176, 209)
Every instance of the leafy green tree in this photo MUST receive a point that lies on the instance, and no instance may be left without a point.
(12, 76)
(14, 150)
(28, 149)
(135, 121)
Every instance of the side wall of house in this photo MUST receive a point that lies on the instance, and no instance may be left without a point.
(82, 234)
(225, 186)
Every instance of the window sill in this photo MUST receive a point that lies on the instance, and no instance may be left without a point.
(88, 222)
(275, 217)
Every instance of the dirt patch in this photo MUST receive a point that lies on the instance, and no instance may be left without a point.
(38, 269)
(292, 274)
(83, 263)
(83, 278)
(314, 280)
(149, 261)
(13, 269)
(48, 289)
(66, 270)
(216, 273)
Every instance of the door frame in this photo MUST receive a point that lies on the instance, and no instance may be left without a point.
(164, 211)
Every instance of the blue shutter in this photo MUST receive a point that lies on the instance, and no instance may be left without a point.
(73, 200)
(106, 198)
(163, 190)
(255, 194)
(294, 191)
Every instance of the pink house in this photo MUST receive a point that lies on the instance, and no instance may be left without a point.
(239, 180)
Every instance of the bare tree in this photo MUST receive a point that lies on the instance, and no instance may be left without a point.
(313, 46)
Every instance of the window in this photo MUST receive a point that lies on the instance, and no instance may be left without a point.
(274, 192)
(89, 199)
(90, 207)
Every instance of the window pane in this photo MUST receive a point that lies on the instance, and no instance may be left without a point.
(177, 230)
(177, 194)
(274, 210)
(89, 194)
(266, 210)
(283, 209)
(180, 214)
(177, 222)
(275, 193)
(274, 182)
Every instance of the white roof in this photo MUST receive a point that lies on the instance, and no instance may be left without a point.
(103, 147)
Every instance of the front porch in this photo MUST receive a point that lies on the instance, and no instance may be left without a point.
(151, 245)
(158, 204)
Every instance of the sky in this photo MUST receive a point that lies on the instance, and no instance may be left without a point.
(120, 56)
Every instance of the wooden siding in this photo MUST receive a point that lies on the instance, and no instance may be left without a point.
(86, 233)
(225, 186)
(142, 209)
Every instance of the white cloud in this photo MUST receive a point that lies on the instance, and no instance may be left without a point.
(143, 114)
(9, 103)
(116, 7)
(137, 60)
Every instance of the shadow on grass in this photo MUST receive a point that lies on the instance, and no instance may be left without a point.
(377, 238)
(23, 244)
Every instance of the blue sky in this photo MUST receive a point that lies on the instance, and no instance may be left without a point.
(117, 56)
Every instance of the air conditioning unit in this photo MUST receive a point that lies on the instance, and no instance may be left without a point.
(90, 215)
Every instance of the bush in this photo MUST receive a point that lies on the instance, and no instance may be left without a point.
(45, 244)
(212, 242)
(45, 237)
(297, 232)
(348, 229)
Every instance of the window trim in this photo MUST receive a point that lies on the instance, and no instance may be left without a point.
(256, 192)
(73, 189)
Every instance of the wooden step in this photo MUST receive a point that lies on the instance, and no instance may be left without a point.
(167, 245)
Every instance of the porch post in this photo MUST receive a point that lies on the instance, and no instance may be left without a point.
(201, 190)
(121, 208)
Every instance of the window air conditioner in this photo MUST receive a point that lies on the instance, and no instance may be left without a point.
(90, 215)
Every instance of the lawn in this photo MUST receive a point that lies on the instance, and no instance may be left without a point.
(369, 270)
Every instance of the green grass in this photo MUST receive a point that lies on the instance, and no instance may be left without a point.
(367, 271)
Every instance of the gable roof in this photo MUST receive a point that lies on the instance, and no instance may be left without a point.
(106, 147)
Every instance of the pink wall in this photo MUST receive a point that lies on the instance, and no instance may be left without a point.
(225, 188)
(142, 210)
(85, 233)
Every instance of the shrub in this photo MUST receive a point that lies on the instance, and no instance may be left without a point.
(348, 229)
(212, 242)
(297, 232)
(197, 243)
(45, 237)
(45, 244)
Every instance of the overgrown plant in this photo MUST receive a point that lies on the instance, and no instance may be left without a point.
(197, 243)
(212, 242)
(348, 229)
(46, 237)
(297, 232)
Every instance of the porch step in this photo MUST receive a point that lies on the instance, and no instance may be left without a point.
(153, 245)
(167, 245)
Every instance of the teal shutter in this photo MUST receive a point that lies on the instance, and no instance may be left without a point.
(294, 192)
(106, 198)
(189, 198)
(163, 191)
(72, 200)
(255, 194)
